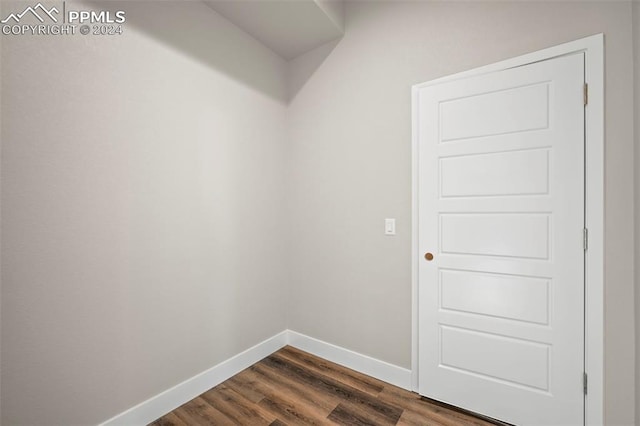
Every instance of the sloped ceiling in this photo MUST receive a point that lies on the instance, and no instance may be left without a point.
(288, 27)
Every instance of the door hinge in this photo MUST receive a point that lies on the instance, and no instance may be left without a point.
(585, 238)
(584, 383)
(586, 94)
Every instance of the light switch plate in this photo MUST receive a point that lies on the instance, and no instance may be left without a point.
(390, 226)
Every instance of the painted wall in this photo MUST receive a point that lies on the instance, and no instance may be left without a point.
(350, 167)
(334, 10)
(0, 233)
(636, 50)
(142, 193)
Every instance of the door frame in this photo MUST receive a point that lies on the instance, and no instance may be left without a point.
(593, 49)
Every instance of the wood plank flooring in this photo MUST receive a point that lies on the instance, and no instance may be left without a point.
(292, 387)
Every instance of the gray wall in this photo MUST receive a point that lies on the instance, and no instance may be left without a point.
(350, 129)
(142, 188)
(0, 233)
(636, 50)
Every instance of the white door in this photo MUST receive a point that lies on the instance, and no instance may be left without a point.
(501, 216)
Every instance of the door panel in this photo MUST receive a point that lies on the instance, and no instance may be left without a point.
(524, 235)
(501, 207)
(503, 173)
(495, 357)
(515, 109)
(497, 295)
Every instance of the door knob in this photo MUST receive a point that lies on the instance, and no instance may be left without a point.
(428, 256)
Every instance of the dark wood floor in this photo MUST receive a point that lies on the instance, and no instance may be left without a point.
(292, 387)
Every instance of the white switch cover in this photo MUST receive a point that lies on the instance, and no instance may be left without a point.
(390, 227)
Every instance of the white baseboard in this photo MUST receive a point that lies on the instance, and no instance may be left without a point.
(381, 370)
(157, 406)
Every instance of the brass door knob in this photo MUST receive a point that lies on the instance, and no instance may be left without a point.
(428, 256)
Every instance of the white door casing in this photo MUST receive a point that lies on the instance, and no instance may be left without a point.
(501, 207)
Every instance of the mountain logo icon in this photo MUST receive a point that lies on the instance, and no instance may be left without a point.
(39, 11)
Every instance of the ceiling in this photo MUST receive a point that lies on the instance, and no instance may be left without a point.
(288, 27)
